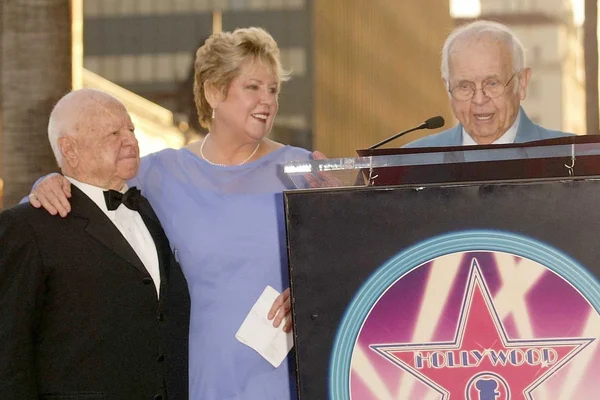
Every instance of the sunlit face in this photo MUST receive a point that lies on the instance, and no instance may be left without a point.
(249, 109)
(478, 61)
(108, 153)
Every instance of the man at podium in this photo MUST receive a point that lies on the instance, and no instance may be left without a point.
(483, 69)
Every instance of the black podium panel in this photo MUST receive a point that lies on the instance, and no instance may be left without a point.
(477, 291)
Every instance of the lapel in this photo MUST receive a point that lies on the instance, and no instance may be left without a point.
(161, 242)
(454, 139)
(101, 228)
(527, 131)
(455, 136)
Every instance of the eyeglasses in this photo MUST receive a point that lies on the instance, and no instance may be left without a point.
(491, 88)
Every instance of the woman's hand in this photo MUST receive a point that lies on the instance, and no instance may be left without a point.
(321, 179)
(52, 194)
(317, 155)
(281, 309)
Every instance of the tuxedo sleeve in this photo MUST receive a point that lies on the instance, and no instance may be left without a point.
(21, 288)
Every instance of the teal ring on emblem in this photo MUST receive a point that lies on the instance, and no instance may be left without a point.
(475, 240)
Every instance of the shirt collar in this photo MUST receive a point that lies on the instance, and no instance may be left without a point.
(95, 193)
(509, 136)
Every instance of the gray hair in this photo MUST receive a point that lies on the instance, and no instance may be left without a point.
(55, 132)
(483, 28)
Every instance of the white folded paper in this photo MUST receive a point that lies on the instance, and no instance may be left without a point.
(259, 333)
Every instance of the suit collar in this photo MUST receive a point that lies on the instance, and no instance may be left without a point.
(101, 228)
(528, 131)
(455, 135)
(94, 193)
(161, 242)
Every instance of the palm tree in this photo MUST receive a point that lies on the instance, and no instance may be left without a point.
(35, 71)
(590, 48)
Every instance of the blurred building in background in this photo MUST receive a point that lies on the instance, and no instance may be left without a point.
(377, 70)
(554, 50)
(154, 125)
(361, 71)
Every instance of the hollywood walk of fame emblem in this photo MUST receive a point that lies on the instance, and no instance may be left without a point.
(482, 363)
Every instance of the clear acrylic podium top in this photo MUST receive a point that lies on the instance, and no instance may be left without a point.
(571, 157)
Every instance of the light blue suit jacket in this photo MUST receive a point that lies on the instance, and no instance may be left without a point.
(527, 132)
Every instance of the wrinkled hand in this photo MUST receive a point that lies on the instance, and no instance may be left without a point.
(52, 194)
(281, 309)
(321, 179)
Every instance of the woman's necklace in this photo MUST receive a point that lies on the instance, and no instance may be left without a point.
(224, 165)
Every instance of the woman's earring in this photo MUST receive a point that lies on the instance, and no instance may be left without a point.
(213, 113)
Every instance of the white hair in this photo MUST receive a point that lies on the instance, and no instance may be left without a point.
(483, 28)
(55, 132)
(68, 109)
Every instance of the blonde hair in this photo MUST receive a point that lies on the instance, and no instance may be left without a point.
(219, 60)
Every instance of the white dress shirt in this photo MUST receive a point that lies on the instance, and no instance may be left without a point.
(131, 226)
(508, 137)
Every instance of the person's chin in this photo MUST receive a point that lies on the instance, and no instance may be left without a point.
(260, 128)
(485, 136)
(127, 175)
(258, 134)
(129, 170)
(484, 128)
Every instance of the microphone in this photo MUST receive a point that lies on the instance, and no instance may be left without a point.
(431, 123)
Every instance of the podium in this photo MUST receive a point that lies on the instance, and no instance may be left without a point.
(434, 274)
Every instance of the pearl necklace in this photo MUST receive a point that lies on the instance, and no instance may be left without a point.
(224, 165)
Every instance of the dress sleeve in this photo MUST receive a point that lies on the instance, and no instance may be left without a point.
(21, 289)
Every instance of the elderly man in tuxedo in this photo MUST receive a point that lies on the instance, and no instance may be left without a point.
(92, 306)
(483, 69)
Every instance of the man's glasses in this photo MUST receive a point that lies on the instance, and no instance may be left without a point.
(491, 88)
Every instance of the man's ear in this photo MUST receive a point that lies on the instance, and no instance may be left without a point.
(524, 77)
(213, 95)
(69, 150)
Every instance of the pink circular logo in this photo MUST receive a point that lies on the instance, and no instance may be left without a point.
(480, 325)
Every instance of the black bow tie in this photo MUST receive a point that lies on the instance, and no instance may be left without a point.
(130, 199)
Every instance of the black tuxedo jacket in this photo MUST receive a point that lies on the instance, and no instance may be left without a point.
(79, 315)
